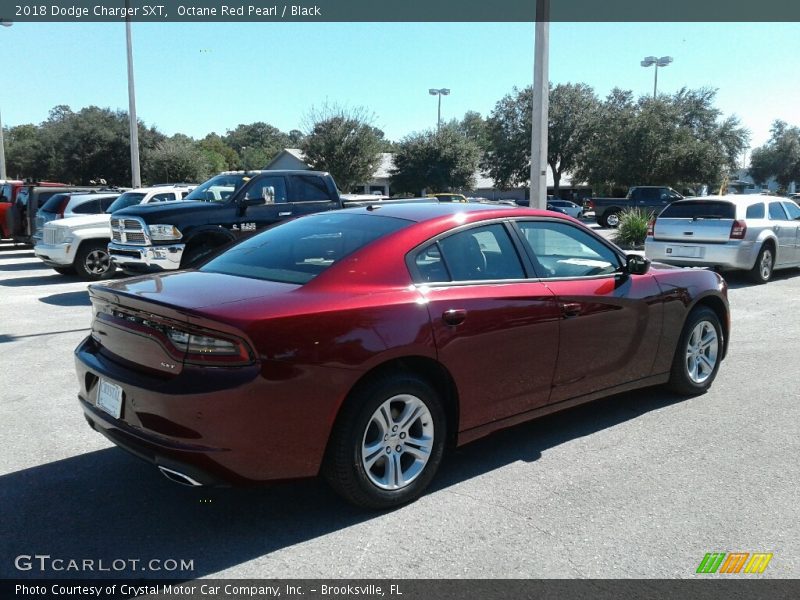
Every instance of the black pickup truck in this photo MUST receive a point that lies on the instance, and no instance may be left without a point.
(166, 236)
(647, 197)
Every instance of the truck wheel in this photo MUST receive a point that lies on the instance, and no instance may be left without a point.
(93, 262)
(196, 254)
(388, 442)
(64, 270)
(612, 219)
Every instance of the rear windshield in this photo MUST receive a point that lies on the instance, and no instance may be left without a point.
(699, 209)
(298, 251)
(125, 200)
(53, 203)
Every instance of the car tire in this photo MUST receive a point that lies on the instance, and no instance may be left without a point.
(64, 270)
(699, 353)
(387, 443)
(611, 219)
(765, 262)
(93, 262)
(196, 254)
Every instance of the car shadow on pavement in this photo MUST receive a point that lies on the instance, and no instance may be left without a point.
(108, 505)
(24, 266)
(22, 251)
(55, 278)
(80, 298)
(739, 279)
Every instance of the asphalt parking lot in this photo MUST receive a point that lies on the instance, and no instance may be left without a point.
(639, 485)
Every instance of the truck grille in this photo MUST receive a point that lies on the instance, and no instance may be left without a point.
(128, 231)
(49, 236)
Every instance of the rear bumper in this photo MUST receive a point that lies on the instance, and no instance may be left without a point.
(219, 426)
(734, 254)
(147, 259)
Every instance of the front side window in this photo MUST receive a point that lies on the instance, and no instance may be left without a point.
(264, 187)
(561, 250)
(792, 210)
(125, 200)
(219, 188)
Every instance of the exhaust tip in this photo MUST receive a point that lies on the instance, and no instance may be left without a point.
(178, 477)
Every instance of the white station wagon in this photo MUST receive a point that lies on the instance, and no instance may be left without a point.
(755, 233)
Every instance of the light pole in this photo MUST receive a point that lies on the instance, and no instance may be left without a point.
(4, 23)
(649, 61)
(136, 178)
(541, 107)
(439, 92)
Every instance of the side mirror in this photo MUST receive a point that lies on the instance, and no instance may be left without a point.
(248, 201)
(636, 264)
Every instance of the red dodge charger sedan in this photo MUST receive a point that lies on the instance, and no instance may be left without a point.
(361, 343)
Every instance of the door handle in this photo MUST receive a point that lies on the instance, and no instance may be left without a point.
(285, 214)
(570, 309)
(454, 316)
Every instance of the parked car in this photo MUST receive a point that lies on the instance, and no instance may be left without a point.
(357, 343)
(79, 245)
(9, 189)
(646, 197)
(449, 197)
(568, 208)
(751, 232)
(72, 204)
(21, 215)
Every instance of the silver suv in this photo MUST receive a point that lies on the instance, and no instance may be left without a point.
(71, 204)
(755, 233)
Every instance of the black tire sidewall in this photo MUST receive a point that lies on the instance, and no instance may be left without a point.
(348, 439)
(679, 377)
(80, 262)
(755, 273)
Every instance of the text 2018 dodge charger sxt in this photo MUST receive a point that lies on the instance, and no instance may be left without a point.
(360, 343)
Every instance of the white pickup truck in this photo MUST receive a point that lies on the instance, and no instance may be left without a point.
(79, 245)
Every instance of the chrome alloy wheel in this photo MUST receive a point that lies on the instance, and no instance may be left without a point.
(397, 442)
(701, 352)
(97, 262)
(765, 266)
(613, 220)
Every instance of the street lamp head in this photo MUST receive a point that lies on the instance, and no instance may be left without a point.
(433, 92)
(439, 92)
(444, 92)
(649, 61)
(664, 61)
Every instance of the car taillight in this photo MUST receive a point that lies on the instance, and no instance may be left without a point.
(207, 349)
(591, 204)
(738, 230)
(62, 207)
(651, 224)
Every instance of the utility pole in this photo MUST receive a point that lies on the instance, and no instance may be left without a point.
(539, 116)
(136, 177)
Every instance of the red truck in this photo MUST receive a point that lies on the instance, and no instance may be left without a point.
(9, 190)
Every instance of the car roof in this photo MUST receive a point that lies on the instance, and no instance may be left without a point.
(427, 211)
(160, 188)
(738, 199)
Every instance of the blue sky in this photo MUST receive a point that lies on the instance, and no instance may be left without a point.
(202, 77)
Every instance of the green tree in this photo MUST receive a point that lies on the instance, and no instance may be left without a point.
(178, 159)
(256, 144)
(438, 162)
(779, 157)
(474, 127)
(217, 153)
(573, 119)
(677, 140)
(344, 142)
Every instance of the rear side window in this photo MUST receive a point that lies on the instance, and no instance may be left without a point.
(755, 211)
(481, 253)
(106, 202)
(88, 208)
(297, 251)
(53, 203)
(163, 197)
(776, 212)
(310, 189)
(699, 209)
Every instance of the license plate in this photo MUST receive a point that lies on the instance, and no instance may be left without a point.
(109, 398)
(685, 251)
